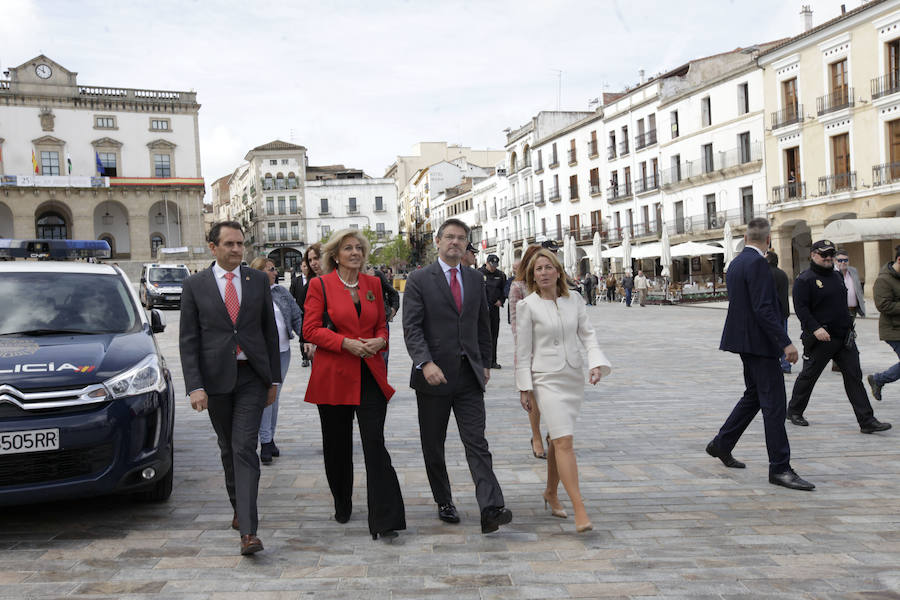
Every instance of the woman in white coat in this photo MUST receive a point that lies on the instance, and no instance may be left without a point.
(549, 371)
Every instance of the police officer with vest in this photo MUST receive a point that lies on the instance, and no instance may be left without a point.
(494, 284)
(820, 302)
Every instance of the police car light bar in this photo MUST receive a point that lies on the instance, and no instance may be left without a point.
(54, 249)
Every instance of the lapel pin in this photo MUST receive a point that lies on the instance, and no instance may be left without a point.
(248, 278)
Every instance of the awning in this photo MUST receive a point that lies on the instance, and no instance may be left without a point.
(737, 241)
(844, 231)
(695, 249)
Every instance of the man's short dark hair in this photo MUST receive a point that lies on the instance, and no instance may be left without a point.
(758, 229)
(215, 230)
(842, 252)
(448, 223)
(772, 257)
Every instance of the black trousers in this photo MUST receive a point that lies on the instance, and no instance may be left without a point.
(816, 355)
(610, 294)
(764, 390)
(236, 417)
(467, 402)
(385, 501)
(495, 331)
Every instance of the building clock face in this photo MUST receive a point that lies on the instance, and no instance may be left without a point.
(43, 71)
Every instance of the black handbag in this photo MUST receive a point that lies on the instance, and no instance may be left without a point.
(327, 323)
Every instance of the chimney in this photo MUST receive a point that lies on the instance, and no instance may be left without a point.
(843, 9)
(806, 13)
(641, 75)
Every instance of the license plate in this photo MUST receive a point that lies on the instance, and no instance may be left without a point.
(36, 440)
(173, 297)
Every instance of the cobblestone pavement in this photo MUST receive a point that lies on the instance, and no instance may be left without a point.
(669, 520)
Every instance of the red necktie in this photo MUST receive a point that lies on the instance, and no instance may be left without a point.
(455, 289)
(231, 302)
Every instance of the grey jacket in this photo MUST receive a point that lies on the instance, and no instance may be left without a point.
(860, 298)
(289, 309)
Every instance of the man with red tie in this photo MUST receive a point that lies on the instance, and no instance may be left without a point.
(231, 364)
(447, 330)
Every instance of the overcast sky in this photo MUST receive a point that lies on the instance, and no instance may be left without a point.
(359, 82)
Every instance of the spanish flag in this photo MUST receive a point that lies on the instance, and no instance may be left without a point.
(34, 163)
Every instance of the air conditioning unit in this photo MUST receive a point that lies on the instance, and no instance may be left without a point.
(501, 172)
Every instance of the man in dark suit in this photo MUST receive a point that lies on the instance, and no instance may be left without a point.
(447, 330)
(755, 330)
(231, 364)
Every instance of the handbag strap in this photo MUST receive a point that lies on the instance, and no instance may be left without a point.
(324, 297)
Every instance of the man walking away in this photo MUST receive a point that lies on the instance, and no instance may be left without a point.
(494, 284)
(628, 285)
(588, 283)
(782, 283)
(856, 302)
(887, 299)
(820, 302)
(754, 329)
(641, 285)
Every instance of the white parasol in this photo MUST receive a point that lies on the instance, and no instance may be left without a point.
(597, 248)
(626, 251)
(729, 245)
(665, 253)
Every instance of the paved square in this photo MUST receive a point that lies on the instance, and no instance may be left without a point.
(669, 521)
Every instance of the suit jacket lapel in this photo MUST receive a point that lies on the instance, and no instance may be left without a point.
(438, 273)
(213, 289)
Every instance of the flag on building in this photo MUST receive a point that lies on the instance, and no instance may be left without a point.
(34, 163)
(69, 162)
(99, 164)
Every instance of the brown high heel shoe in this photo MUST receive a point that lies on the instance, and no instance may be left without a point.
(584, 527)
(556, 512)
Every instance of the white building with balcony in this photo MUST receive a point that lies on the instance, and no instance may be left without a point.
(359, 203)
(99, 162)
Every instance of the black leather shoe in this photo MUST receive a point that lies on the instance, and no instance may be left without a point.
(798, 420)
(493, 517)
(342, 514)
(447, 513)
(873, 426)
(265, 453)
(496, 366)
(876, 387)
(727, 459)
(388, 535)
(275, 451)
(790, 479)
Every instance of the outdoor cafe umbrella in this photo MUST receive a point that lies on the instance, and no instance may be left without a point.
(665, 253)
(568, 255)
(597, 247)
(626, 256)
(729, 245)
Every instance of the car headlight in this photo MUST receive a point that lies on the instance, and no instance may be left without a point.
(146, 376)
(151, 289)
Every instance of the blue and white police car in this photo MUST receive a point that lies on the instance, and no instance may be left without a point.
(87, 403)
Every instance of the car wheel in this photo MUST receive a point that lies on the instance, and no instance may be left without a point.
(163, 488)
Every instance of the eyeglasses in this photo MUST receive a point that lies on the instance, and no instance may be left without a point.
(843, 260)
(272, 269)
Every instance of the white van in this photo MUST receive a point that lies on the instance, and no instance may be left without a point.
(161, 284)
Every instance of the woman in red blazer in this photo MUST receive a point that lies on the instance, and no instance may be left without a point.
(349, 377)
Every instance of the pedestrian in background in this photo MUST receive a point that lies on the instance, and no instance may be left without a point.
(549, 372)
(611, 285)
(886, 293)
(494, 283)
(754, 329)
(641, 285)
(344, 317)
(231, 364)
(782, 283)
(312, 260)
(518, 289)
(587, 283)
(856, 301)
(288, 320)
(469, 257)
(820, 302)
(628, 286)
(391, 304)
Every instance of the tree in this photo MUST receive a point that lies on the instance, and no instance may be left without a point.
(395, 253)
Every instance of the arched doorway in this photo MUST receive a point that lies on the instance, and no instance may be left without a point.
(51, 226)
(156, 240)
(111, 223)
(285, 259)
(165, 219)
(6, 221)
(112, 244)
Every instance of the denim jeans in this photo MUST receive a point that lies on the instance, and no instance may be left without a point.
(270, 413)
(893, 373)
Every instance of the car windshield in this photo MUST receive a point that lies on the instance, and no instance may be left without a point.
(82, 303)
(170, 275)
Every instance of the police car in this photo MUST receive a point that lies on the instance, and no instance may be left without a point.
(161, 284)
(87, 403)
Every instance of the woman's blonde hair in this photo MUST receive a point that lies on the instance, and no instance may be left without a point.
(330, 249)
(562, 290)
(259, 263)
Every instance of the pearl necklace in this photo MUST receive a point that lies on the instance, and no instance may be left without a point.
(349, 285)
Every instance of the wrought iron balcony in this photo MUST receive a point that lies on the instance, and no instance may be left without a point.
(646, 184)
(554, 162)
(539, 199)
(623, 147)
(573, 192)
(573, 158)
(554, 194)
(645, 139)
(592, 149)
(595, 189)
(611, 151)
(616, 193)
(787, 116)
(886, 84)
(352, 209)
(885, 174)
(789, 192)
(839, 182)
(839, 99)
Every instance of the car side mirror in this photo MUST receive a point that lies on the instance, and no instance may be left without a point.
(157, 321)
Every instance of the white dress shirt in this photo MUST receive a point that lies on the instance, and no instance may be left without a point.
(447, 274)
(221, 282)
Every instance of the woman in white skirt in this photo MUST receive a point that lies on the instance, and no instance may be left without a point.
(549, 371)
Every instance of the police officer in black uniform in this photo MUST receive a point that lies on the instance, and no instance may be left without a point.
(820, 302)
(494, 284)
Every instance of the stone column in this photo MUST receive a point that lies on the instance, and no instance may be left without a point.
(781, 244)
(873, 264)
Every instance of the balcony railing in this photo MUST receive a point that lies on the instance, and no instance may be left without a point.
(839, 99)
(789, 192)
(503, 212)
(885, 174)
(623, 147)
(382, 234)
(646, 184)
(611, 151)
(539, 198)
(645, 139)
(573, 192)
(573, 158)
(352, 209)
(554, 194)
(886, 84)
(619, 192)
(595, 189)
(722, 160)
(839, 182)
(554, 162)
(524, 199)
(787, 116)
(539, 168)
(592, 149)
